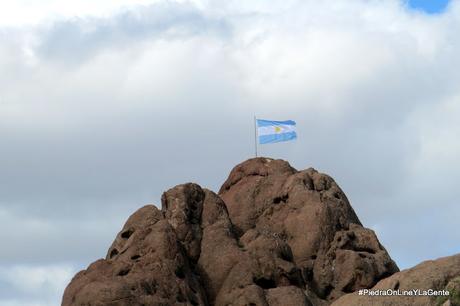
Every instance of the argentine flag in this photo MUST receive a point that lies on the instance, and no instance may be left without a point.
(270, 131)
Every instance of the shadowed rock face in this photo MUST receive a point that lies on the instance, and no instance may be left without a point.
(273, 236)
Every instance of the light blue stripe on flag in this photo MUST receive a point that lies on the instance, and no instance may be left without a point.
(270, 131)
(261, 122)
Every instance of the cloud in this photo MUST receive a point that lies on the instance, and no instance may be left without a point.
(27, 12)
(77, 39)
(100, 114)
(35, 239)
(33, 285)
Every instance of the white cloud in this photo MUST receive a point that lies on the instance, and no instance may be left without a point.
(37, 279)
(47, 239)
(104, 112)
(21, 12)
(34, 285)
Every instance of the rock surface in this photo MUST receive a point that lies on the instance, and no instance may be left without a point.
(440, 274)
(146, 265)
(307, 210)
(272, 236)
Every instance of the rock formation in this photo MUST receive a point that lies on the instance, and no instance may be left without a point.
(309, 212)
(146, 265)
(272, 236)
(441, 275)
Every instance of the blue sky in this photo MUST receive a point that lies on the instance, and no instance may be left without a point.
(429, 6)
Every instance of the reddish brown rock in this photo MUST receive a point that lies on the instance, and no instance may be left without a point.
(219, 248)
(221, 257)
(182, 207)
(287, 296)
(441, 274)
(145, 266)
(266, 263)
(309, 212)
(274, 236)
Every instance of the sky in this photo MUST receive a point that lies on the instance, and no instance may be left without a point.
(429, 6)
(106, 104)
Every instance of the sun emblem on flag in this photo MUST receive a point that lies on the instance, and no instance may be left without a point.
(277, 129)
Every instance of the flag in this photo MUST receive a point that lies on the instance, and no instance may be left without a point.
(269, 131)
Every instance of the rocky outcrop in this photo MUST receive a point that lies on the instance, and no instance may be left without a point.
(308, 211)
(146, 265)
(272, 236)
(441, 275)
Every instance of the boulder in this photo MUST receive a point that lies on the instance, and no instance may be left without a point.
(310, 213)
(144, 266)
(441, 275)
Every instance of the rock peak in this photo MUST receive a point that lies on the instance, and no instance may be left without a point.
(273, 235)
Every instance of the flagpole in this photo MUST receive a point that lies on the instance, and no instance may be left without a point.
(255, 134)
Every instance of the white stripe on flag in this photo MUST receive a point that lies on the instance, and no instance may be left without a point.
(275, 129)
